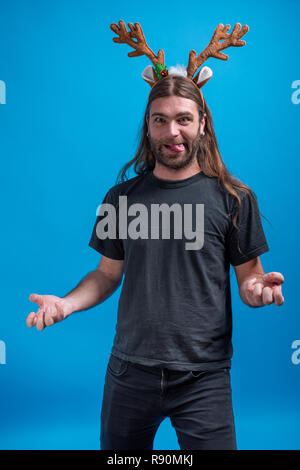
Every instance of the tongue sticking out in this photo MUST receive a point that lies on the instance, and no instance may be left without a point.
(176, 148)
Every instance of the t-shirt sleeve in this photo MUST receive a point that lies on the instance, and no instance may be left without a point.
(251, 238)
(105, 236)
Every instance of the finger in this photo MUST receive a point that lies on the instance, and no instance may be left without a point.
(38, 299)
(49, 318)
(267, 295)
(258, 289)
(278, 297)
(254, 292)
(30, 320)
(257, 294)
(273, 277)
(40, 320)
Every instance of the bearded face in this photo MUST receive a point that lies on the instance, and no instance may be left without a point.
(175, 155)
(174, 131)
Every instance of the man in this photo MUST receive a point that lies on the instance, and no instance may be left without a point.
(172, 349)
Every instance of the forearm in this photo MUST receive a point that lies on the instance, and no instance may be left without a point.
(92, 290)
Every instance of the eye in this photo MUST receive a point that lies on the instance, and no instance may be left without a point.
(159, 119)
(184, 119)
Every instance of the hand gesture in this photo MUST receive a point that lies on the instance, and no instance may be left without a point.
(265, 290)
(51, 310)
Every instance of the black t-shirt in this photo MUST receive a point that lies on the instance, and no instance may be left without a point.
(175, 305)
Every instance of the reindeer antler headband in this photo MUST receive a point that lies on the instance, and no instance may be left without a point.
(136, 39)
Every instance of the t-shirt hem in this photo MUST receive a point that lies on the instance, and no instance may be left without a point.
(104, 252)
(252, 254)
(172, 365)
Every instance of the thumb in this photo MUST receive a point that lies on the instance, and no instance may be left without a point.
(38, 299)
(273, 277)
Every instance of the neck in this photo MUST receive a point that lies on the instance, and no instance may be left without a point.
(165, 173)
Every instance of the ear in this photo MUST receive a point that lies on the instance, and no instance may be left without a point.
(149, 75)
(203, 122)
(203, 76)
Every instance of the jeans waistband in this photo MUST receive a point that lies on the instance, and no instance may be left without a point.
(151, 369)
(157, 370)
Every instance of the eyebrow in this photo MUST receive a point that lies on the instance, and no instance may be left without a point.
(183, 113)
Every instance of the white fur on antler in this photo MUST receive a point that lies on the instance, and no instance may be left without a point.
(205, 72)
(178, 70)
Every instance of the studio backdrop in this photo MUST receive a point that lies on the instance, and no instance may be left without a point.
(71, 111)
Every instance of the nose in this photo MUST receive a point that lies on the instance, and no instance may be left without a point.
(172, 129)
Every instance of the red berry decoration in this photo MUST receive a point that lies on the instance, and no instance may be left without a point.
(161, 71)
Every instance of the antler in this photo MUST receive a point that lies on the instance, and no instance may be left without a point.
(140, 45)
(214, 47)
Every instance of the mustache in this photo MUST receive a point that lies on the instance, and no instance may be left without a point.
(171, 142)
(190, 144)
(161, 143)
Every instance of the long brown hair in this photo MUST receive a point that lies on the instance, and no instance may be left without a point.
(208, 156)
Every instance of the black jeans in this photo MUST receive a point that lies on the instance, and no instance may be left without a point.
(138, 398)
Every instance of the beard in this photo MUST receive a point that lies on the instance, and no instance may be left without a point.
(175, 161)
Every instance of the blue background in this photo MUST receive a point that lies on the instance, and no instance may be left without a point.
(74, 105)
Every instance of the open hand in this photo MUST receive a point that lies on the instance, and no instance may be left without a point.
(51, 310)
